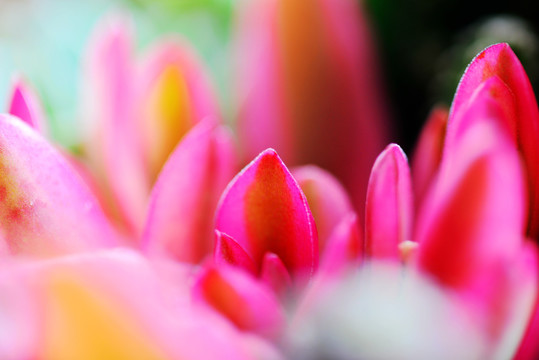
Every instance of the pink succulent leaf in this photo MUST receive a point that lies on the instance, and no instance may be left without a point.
(180, 216)
(428, 153)
(46, 209)
(470, 220)
(173, 95)
(241, 298)
(327, 198)
(345, 246)
(264, 210)
(24, 104)
(275, 274)
(309, 87)
(108, 109)
(229, 252)
(500, 61)
(389, 208)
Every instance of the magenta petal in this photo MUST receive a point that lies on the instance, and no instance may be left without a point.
(388, 211)
(327, 198)
(274, 273)
(45, 208)
(471, 219)
(264, 210)
(241, 298)
(229, 252)
(180, 216)
(500, 61)
(25, 105)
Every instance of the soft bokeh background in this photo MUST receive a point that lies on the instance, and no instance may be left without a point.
(424, 47)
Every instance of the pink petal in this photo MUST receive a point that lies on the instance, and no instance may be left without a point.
(45, 207)
(229, 252)
(180, 215)
(174, 95)
(275, 274)
(25, 104)
(500, 61)
(112, 138)
(470, 219)
(328, 201)
(264, 210)
(345, 246)
(239, 297)
(309, 87)
(428, 152)
(388, 211)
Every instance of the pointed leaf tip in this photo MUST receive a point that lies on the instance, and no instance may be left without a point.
(265, 210)
(388, 213)
(25, 105)
(500, 61)
(229, 252)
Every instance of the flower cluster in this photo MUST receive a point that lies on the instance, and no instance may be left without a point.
(155, 244)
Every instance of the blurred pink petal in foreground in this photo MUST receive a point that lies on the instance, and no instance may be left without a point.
(115, 304)
(45, 207)
(309, 87)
